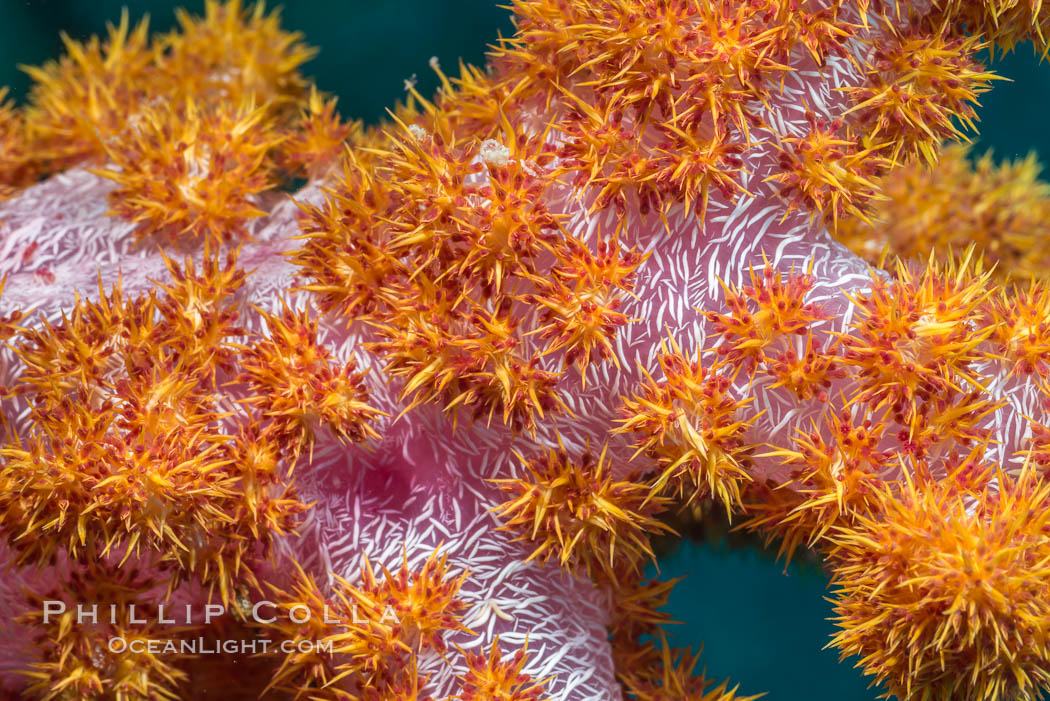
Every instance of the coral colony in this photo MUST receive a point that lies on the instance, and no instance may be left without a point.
(395, 412)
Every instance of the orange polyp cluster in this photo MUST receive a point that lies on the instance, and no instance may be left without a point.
(575, 512)
(84, 105)
(407, 687)
(917, 336)
(194, 123)
(79, 354)
(673, 680)
(16, 168)
(716, 54)
(296, 384)
(475, 366)
(692, 427)
(77, 658)
(1002, 209)
(267, 505)
(374, 631)
(447, 248)
(476, 101)
(943, 593)
(232, 53)
(1004, 23)
(925, 539)
(181, 173)
(450, 346)
(80, 102)
(823, 31)
(425, 601)
(1037, 453)
(671, 83)
(491, 678)
(580, 302)
(827, 172)
(923, 83)
(507, 226)
(346, 257)
(127, 454)
(309, 670)
(761, 316)
(315, 148)
(807, 371)
(197, 311)
(1020, 324)
(127, 451)
(833, 480)
(951, 419)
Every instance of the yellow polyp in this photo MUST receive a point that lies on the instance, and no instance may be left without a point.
(574, 511)
(945, 570)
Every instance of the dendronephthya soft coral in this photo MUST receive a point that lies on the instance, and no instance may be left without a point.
(415, 424)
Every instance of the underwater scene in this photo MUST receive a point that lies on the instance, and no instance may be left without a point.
(641, 350)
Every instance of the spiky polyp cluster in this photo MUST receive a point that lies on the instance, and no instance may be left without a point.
(126, 449)
(296, 384)
(580, 302)
(425, 601)
(364, 639)
(79, 627)
(835, 471)
(670, 112)
(910, 364)
(1020, 323)
(315, 148)
(943, 595)
(922, 83)
(83, 99)
(172, 114)
(234, 52)
(489, 677)
(16, 169)
(1005, 23)
(763, 321)
(330, 644)
(671, 678)
(183, 173)
(916, 337)
(574, 511)
(447, 248)
(691, 425)
(826, 172)
(662, 116)
(1002, 209)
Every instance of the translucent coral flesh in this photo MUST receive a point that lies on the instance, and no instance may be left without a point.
(698, 218)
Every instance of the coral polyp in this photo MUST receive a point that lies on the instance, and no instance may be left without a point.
(692, 428)
(181, 173)
(574, 512)
(489, 676)
(941, 591)
(397, 411)
(922, 85)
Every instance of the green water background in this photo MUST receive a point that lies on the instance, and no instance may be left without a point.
(760, 626)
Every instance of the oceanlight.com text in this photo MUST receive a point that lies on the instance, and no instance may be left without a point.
(200, 646)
